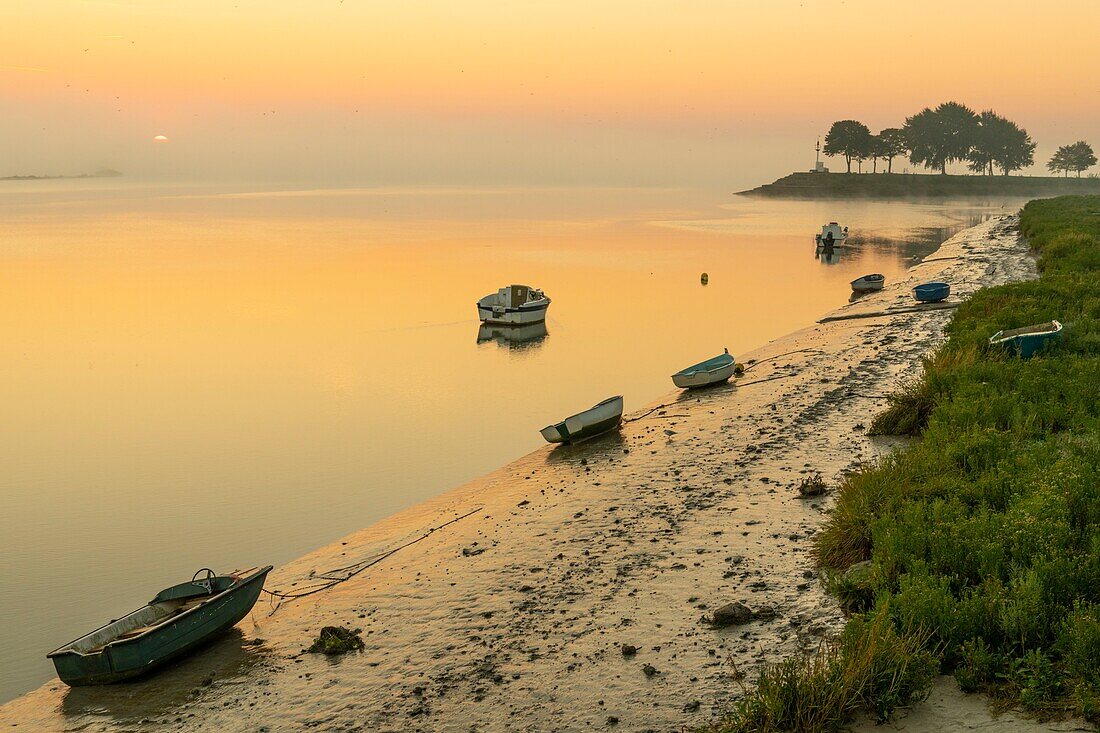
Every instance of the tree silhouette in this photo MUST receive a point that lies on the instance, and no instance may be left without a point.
(1081, 156)
(849, 138)
(1060, 161)
(1002, 142)
(1075, 157)
(875, 151)
(891, 143)
(942, 135)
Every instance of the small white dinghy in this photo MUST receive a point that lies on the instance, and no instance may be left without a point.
(588, 424)
(514, 305)
(705, 373)
(867, 283)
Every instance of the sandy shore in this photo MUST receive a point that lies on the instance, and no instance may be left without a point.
(513, 617)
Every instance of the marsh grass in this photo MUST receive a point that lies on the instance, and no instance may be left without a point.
(985, 534)
(871, 667)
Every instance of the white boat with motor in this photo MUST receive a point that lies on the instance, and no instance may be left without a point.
(594, 421)
(867, 283)
(705, 373)
(513, 305)
(831, 235)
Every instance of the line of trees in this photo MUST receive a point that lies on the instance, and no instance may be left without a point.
(950, 133)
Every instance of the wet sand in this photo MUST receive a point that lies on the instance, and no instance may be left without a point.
(514, 616)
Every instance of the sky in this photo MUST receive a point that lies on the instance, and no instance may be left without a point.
(685, 92)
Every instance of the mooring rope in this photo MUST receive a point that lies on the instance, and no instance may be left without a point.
(356, 568)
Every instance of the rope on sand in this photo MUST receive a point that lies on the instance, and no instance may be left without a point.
(648, 412)
(768, 379)
(891, 312)
(778, 356)
(350, 571)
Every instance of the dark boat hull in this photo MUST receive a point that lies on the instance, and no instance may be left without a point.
(122, 660)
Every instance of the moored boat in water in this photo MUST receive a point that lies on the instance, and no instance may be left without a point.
(600, 418)
(832, 235)
(1027, 340)
(513, 305)
(177, 620)
(868, 283)
(932, 292)
(715, 370)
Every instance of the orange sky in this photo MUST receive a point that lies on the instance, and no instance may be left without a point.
(517, 87)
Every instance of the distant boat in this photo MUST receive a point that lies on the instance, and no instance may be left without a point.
(932, 292)
(176, 621)
(705, 373)
(1026, 341)
(513, 305)
(867, 283)
(592, 422)
(822, 240)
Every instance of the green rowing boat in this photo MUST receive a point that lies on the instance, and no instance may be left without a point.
(176, 621)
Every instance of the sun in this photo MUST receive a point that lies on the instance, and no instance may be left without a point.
(160, 138)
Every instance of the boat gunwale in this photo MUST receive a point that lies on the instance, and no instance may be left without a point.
(694, 368)
(1005, 335)
(67, 648)
(872, 278)
(561, 424)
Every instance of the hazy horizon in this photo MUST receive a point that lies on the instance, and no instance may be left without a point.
(690, 94)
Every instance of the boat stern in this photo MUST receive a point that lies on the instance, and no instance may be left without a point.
(552, 434)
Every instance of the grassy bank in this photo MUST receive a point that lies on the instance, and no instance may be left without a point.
(920, 185)
(976, 551)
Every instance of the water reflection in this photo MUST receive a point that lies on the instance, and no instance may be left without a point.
(169, 688)
(526, 337)
(608, 445)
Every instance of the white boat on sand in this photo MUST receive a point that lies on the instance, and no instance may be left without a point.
(867, 283)
(513, 305)
(588, 424)
(705, 373)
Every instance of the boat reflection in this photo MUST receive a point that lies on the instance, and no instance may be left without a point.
(527, 336)
(230, 658)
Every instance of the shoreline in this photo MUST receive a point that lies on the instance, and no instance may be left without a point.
(514, 616)
(905, 186)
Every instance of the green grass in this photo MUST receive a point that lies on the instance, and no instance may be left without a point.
(872, 667)
(982, 540)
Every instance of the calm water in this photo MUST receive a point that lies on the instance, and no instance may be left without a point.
(228, 377)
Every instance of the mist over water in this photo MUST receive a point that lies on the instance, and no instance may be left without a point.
(227, 376)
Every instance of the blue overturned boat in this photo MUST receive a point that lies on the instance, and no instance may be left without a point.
(932, 292)
(176, 621)
(1027, 340)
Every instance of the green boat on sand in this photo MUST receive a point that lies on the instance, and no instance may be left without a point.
(176, 621)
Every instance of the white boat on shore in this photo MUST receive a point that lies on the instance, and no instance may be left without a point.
(712, 371)
(867, 283)
(513, 305)
(832, 235)
(594, 421)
